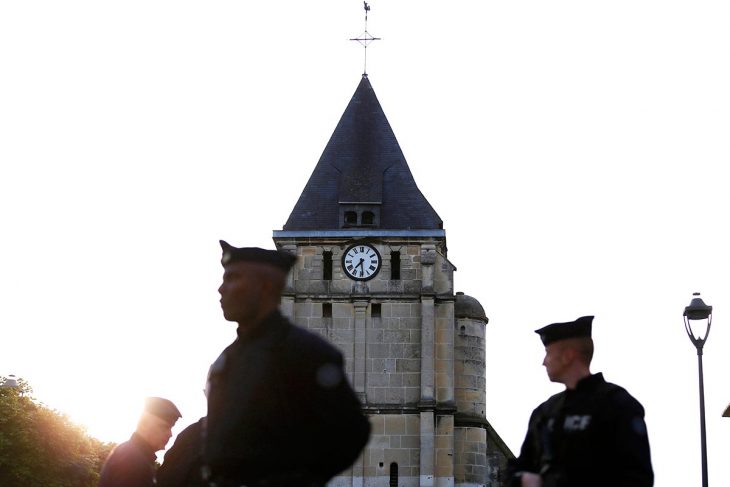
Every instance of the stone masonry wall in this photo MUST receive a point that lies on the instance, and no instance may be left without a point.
(469, 366)
(444, 471)
(470, 467)
(393, 346)
(393, 360)
(339, 329)
(395, 439)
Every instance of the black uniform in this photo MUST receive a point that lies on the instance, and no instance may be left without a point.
(594, 435)
(183, 461)
(130, 464)
(280, 410)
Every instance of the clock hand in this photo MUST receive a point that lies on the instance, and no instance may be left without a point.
(360, 263)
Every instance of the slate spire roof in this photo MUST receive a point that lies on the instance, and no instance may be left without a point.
(362, 167)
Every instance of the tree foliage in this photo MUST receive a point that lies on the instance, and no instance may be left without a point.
(40, 447)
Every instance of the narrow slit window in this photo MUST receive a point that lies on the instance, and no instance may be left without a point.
(327, 265)
(395, 265)
(326, 310)
(393, 474)
(375, 311)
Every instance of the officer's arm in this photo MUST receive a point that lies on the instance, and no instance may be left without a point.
(523, 469)
(183, 460)
(341, 414)
(633, 466)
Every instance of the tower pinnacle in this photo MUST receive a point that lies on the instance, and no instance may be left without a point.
(365, 38)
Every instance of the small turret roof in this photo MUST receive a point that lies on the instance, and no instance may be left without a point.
(468, 307)
(363, 164)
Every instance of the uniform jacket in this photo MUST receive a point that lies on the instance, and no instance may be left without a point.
(280, 406)
(593, 435)
(182, 463)
(130, 464)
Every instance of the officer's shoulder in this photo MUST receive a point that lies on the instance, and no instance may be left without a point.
(618, 396)
(612, 390)
(124, 453)
(124, 449)
(190, 434)
(554, 401)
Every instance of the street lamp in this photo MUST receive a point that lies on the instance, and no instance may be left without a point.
(696, 311)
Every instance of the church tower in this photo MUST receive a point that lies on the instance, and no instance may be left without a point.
(373, 277)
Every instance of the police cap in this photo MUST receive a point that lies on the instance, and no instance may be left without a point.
(580, 328)
(275, 258)
(162, 408)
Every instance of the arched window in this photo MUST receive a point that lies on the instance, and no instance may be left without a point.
(368, 217)
(350, 218)
(393, 474)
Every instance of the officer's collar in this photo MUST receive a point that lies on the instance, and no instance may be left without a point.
(589, 381)
(145, 447)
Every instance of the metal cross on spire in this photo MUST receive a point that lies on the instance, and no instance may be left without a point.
(365, 38)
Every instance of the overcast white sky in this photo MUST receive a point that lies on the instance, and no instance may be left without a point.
(574, 149)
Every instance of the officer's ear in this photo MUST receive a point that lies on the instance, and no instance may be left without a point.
(578, 350)
(275, 279)
(568, 354)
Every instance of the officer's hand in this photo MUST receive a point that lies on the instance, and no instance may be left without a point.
(531, 480)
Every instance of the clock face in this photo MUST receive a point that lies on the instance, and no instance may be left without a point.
(361, 262)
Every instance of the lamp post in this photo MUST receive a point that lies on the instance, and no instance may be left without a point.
(697, 311)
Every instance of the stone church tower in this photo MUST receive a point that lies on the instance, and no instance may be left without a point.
(373, 277)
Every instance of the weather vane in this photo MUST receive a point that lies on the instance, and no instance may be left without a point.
(365, 38)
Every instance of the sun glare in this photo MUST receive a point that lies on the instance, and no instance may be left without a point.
(108, 421)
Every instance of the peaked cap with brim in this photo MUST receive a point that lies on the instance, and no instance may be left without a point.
(580, 328)
(275, 258)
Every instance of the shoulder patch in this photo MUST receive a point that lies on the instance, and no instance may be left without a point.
(638, 426)
(329, 376)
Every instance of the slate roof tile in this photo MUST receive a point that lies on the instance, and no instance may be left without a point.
(363, 163)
